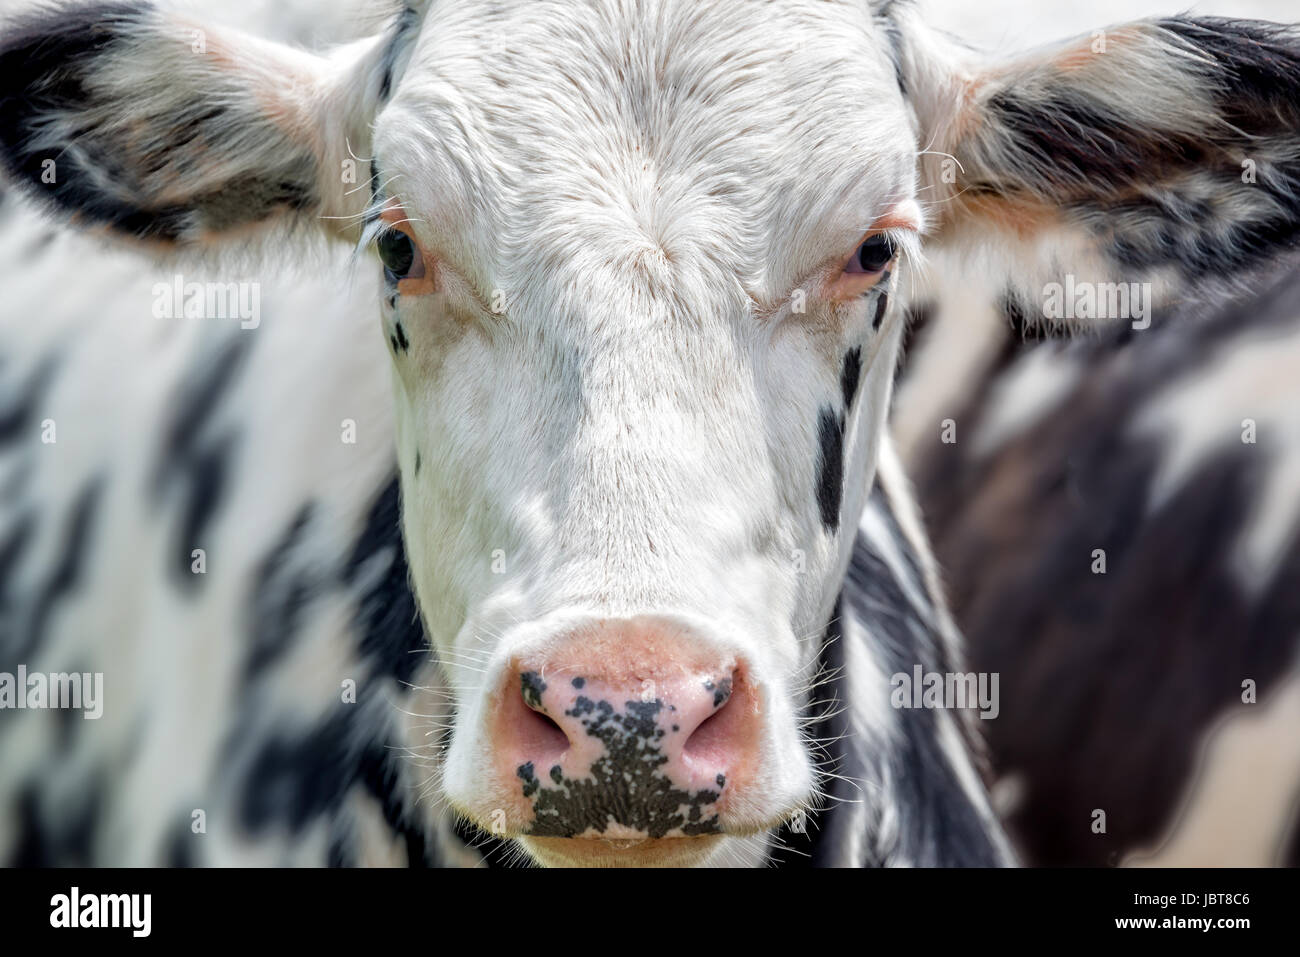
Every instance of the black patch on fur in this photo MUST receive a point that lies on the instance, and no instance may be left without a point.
(1125, 181)
(203, 497)
(180, 851)
(1015, 531)
(830, 467)
(284, 583)
(297, 777)
(392, 634)
(201, 397)
(803, 844)
(194, 457)
(1025, 332)
(1147, 232)
(381, 772)
(69, 722)
(44, 60)
(1057, 135)
(35, 846)
(1260, 60)
(882, 303)
(938, 826)
(400, 337)
(407, 20)
(894, 51)
(1023, 326)
(13, 546)
(915, 574)
(62, 579)
(851, 375)
(18, 412)
(339, 853)
(1163, 607)
(59, 835)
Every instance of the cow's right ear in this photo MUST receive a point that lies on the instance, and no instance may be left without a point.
(138, 120)
(1159, 152)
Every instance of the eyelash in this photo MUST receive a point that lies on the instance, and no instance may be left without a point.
(854, 281)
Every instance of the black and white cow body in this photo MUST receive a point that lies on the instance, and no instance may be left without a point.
(1120, 540)
(598, 545)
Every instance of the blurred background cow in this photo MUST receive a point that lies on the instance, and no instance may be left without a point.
(1160, 691)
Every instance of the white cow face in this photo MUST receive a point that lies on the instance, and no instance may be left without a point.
(637, 300)
(640, 262)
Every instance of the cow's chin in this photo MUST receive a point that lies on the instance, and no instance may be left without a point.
(647, 852)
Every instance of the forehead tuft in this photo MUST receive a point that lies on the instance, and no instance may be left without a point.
(654, 119)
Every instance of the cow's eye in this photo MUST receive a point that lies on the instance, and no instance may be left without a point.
(875, 253)
(867, 267)
(400, 257)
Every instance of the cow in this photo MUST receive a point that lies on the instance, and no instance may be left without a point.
(1119, 535)
(643, 267)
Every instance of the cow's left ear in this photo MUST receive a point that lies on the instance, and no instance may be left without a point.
(130, 117)
(1163, 152)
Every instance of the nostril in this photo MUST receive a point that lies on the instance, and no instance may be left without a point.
(534, 731)
(712, 744)
(540, 735)
(706, 742)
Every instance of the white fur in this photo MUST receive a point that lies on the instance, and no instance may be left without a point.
(636, 432)
(642, 423)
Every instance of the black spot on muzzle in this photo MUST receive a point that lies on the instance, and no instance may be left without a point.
(626, 785)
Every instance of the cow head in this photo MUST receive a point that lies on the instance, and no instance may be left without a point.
(642, 265)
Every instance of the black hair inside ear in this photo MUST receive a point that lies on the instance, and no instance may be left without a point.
(63, 142)
(1259, 63)
(45, 57)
